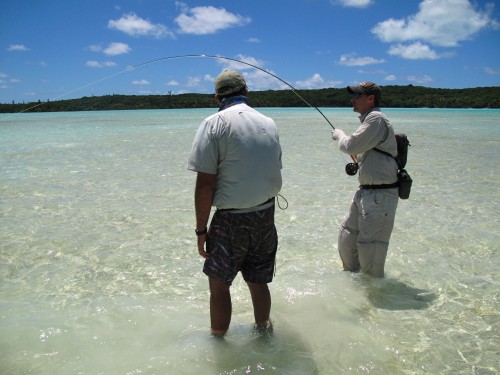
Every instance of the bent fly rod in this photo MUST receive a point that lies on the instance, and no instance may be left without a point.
(294, 90)
(241, 62)
(193, 56)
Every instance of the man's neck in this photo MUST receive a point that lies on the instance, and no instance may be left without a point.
(233, 100)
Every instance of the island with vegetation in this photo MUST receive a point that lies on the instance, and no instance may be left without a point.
(393, 97)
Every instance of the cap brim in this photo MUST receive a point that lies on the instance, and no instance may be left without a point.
(353, 89)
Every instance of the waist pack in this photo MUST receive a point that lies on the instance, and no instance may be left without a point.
(404, 179)
(404, 184)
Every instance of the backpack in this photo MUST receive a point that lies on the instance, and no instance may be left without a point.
(404, 179)
(402, 156)
(403, 144)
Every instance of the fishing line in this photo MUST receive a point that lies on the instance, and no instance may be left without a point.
(190, 56)
(241, 62)
(351, 168)
(294, 90)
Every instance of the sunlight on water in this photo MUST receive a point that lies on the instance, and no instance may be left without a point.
(100, 274)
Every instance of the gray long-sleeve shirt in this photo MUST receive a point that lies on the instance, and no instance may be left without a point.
(375, 131)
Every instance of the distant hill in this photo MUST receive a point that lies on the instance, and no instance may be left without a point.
(392, 97)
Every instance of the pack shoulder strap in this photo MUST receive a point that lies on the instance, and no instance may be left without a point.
(383, 152)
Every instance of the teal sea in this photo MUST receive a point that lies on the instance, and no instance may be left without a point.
(99, 272)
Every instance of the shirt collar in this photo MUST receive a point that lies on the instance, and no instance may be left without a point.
(233, 100)
(363, 116)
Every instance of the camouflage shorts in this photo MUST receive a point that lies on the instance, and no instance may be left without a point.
(245, 242)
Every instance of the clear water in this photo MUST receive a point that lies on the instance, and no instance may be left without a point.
(99, 272)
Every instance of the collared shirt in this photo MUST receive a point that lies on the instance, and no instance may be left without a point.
(375, 131)
(241, 146)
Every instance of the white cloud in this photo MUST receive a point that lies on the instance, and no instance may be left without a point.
(491, 71)
(95, 48)
(18, 47)
(134, 25)
(423, 79)
(97, 64)
(352, 60)
(259, 80)
(117, 49)
(235, 65)
(315, 82)
(172, 83)
(141, 82)
(207, 20)
(3, 75)
(252, 40)
(415, 51)
(353, 3)
(442, 23)
(193, 81)
(390, 77)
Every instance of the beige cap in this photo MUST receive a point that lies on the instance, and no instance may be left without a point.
(228, 82)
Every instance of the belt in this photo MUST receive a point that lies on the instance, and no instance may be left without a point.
(259, 207)
(381, 186)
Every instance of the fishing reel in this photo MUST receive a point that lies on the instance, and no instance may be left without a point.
(351, 169)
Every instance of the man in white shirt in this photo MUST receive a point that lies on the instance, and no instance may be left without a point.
(237, 156)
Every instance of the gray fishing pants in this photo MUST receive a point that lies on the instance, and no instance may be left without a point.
(365, 231)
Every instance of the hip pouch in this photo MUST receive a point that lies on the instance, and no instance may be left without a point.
(404, 184)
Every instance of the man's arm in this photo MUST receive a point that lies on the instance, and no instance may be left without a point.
(203, 199)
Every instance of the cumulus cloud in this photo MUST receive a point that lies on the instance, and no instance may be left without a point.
(442, 23)
(353, 60)
(315, 82)
(114, 49)
(95, 48)
(390, 77)
(252, 40)
(422, 79)
(235, 65)
(193, 81)
(203, 20)
(415, 51)
(491, 71)
(98, 64)
(353, 3)
(18, 47)
(141, 82)
(134, 25)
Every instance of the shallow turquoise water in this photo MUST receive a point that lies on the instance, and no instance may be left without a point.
(100, 274)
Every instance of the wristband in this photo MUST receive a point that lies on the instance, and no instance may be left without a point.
(201, 232)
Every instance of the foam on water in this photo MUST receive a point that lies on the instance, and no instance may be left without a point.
(100, 275)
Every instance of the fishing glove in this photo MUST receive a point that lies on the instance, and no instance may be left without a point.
(336, 134)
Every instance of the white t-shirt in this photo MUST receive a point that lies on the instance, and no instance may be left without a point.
(242, 147)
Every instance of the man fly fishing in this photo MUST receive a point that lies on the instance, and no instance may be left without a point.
(366, 229)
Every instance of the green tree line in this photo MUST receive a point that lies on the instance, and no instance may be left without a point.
(392, 97)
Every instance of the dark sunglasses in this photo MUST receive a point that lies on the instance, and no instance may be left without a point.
(357, 94)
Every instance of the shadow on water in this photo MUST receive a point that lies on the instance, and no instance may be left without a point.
(391, 294)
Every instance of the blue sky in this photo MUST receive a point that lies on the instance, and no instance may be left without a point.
(55, 49)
